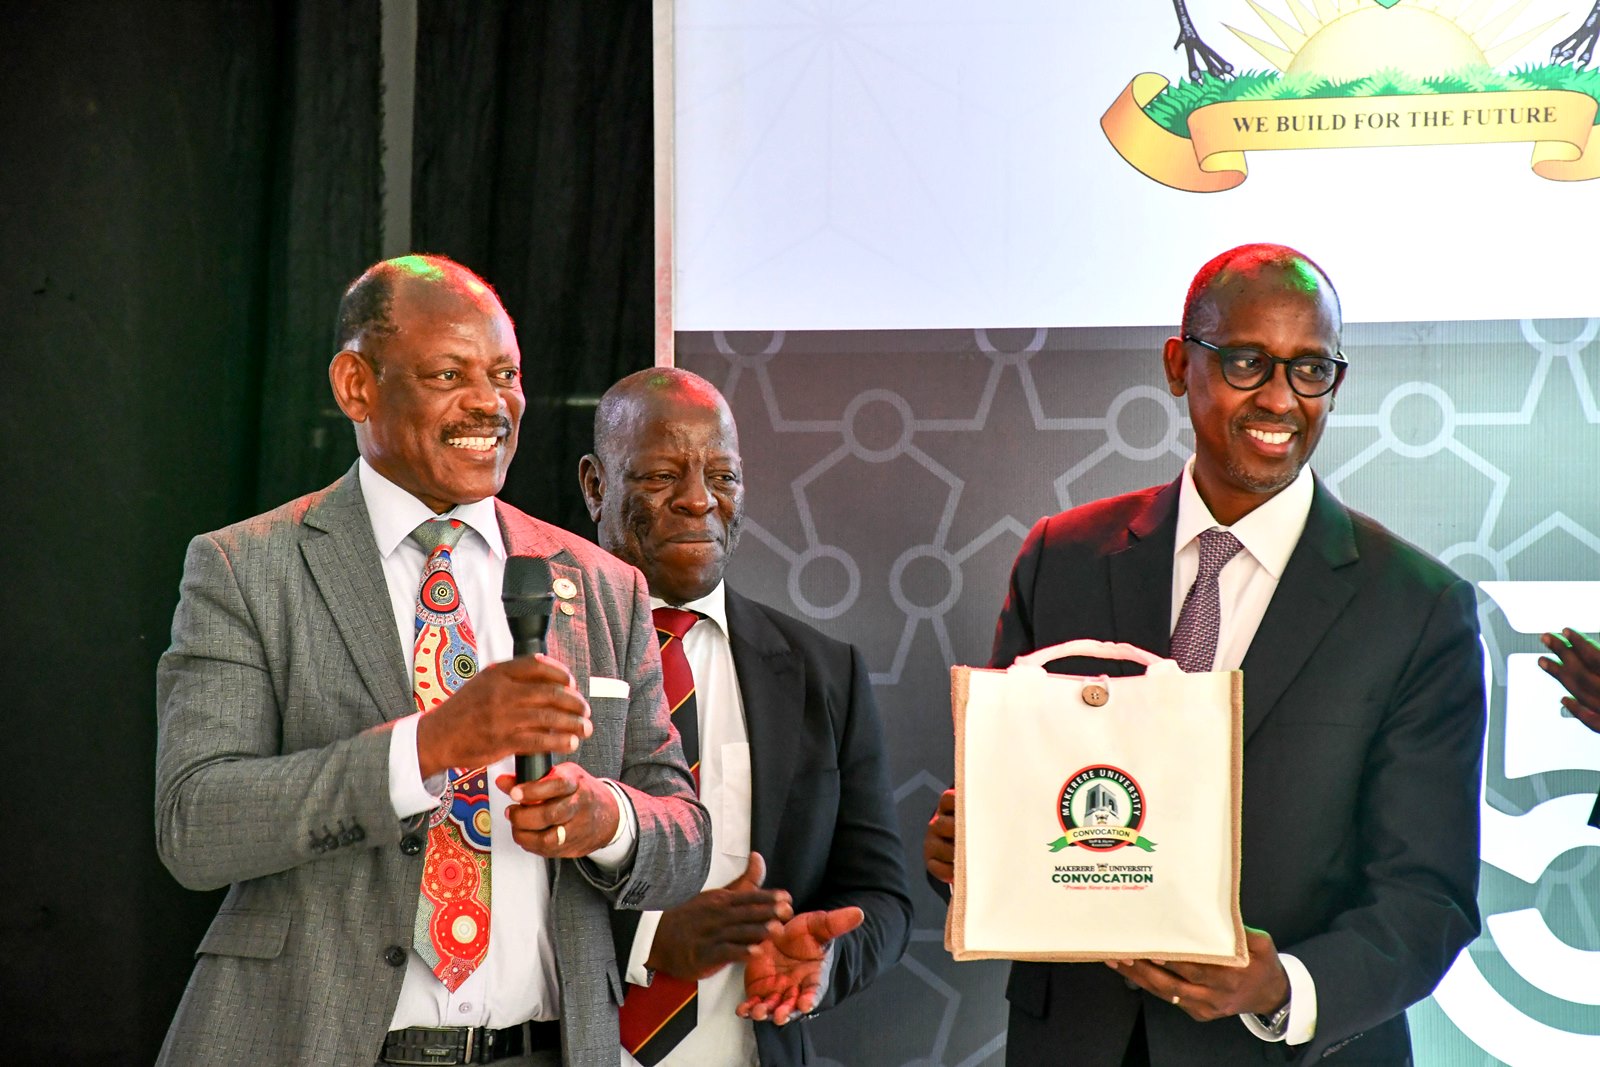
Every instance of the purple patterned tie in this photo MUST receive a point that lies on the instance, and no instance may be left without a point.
(1194, 639)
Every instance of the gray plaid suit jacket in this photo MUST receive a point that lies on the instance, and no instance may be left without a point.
(272, 776)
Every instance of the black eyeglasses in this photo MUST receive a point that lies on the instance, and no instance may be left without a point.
(1251, 368)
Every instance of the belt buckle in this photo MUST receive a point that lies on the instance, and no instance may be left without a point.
(441, 1055)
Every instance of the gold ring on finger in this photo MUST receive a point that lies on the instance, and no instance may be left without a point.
(561, 839)
(1175, 999)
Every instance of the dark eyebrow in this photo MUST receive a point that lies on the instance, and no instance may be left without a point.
(641, 460)
(504, 358)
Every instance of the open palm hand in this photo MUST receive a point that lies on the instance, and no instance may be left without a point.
(783, 978)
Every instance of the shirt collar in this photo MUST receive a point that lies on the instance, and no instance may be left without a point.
(714, 606)
(1269, 533)
(395, 513)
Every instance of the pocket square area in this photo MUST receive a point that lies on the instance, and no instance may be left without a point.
(608, 687)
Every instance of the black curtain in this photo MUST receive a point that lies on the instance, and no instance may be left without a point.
(325, 191)
(184, 191)
(179, 184)
(534, 167)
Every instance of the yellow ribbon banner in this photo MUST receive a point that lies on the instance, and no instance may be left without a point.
(1559, 122)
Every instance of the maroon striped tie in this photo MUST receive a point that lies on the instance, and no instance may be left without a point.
(655, 1018)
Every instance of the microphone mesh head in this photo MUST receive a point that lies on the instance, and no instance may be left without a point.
(526, 589)
(527, 598)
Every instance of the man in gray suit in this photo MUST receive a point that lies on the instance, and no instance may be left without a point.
(295, 763)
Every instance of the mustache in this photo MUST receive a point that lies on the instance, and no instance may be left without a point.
(1265, 420)
(485, 428)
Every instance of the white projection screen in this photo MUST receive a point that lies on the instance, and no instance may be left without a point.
(929, 251)
(942, 164)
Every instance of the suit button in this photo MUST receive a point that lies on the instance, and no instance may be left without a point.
(394, 956)
(411, 844)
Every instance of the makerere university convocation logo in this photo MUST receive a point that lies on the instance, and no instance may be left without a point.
(1101, 809)
(1365, 74)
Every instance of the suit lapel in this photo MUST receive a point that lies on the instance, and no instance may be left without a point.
(343, 560)
(772, 689)
(523, 536)
(1308, 599)
(1141, 576)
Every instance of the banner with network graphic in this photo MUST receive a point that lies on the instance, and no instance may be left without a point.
(1476, 442)
(930, 251)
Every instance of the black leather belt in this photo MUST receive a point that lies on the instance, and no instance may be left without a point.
(426, 1046)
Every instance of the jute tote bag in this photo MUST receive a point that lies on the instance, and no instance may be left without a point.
(1097, 818)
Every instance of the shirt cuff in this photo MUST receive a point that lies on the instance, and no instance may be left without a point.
(644, 939)
(825, 979)
(408, 792)
(615, 853)
(1301, 1026)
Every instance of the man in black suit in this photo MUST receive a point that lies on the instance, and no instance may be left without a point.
(1363, 708)
(791, 755)
(1574, 661)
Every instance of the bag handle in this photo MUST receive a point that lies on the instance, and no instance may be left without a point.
(1094, 650)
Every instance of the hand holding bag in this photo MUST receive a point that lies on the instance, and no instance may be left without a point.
(1097, 818)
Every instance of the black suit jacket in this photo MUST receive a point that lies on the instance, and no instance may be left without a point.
(822, 812)
(1363, 728)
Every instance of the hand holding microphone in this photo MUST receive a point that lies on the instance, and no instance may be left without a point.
(529, 603)
(567, 812)
(526, 704)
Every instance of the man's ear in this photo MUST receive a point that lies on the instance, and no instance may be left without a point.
(592, 480)
(1175, 361)
(354, 384)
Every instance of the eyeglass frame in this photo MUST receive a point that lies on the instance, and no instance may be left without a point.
(1223, 353)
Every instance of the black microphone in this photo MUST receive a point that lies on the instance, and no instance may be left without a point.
(529, 604)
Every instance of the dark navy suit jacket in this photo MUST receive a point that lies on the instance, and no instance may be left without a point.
(1363, 729)
(822, 811)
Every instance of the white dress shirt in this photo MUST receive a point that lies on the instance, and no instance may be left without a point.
(720, 1038)
(517, 979)
(1269, 535)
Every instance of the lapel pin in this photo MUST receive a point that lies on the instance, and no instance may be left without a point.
(565, 589)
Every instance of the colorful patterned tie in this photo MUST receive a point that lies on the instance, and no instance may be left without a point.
(655, 1018)
(452, 927)
(1194, 639)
